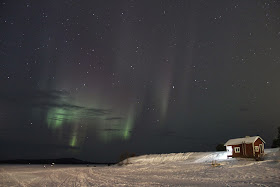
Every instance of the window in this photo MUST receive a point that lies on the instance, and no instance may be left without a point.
(257, 148)
(237, 149)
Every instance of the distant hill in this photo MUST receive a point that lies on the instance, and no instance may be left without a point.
(49, 161)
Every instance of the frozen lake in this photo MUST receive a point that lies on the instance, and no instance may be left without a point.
(185, 169)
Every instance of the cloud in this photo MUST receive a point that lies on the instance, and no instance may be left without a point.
(110, 130)
(99, 111)
(51, 99)
(51, 94)
(38, 96)
(114, 118)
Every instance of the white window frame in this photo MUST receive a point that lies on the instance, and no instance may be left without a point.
(237, 149)
(257, 148)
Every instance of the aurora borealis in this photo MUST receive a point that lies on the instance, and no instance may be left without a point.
(92, 79)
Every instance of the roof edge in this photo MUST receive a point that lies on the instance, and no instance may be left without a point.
(260, 138)
(226, 144)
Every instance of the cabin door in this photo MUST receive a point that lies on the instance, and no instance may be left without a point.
(261, 148)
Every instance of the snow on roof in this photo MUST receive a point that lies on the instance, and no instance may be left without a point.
(247, 140)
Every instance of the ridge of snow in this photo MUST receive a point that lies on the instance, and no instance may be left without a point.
(193, 157)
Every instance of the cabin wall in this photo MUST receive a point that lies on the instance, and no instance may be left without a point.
(243, 153)
(249, 150)
(234, 154)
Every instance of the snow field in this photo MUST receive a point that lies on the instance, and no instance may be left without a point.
(181, 169)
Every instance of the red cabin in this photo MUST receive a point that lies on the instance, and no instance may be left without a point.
(252, 147)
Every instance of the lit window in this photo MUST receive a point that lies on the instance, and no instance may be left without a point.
(237, 149)
(257, 148)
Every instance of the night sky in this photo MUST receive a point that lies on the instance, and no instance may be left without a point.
(92, 79)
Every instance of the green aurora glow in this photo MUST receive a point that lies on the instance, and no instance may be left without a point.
(58, 117)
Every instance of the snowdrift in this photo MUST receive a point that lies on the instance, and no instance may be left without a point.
(194, 157)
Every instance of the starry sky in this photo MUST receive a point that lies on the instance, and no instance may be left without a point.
(92, 79)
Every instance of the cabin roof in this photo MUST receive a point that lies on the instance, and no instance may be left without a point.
(247, 140)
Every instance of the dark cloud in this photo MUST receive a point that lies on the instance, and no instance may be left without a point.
(99, 112)
(37, 96)
(58, 104)
(114, 118)
(110, 130)
(51, 94)
(48, 99)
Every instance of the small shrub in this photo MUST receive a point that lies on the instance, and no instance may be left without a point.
(276, 141)
(220, 147)
(124, 158)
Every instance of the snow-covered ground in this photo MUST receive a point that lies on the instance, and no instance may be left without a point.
(181, 169)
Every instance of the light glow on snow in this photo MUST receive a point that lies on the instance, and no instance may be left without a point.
(229, 150)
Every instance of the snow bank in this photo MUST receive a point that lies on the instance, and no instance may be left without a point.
(218, 156)
(194, 157)
(160, 158)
